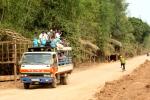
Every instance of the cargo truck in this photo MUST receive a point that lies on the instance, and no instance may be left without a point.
(42, 65)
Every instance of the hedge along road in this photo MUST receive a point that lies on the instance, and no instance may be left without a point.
(82, 84)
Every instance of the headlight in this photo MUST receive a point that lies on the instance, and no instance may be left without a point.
(45, 75)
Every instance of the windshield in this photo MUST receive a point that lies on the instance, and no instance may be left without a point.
(36, 58)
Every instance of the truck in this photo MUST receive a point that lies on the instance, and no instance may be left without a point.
(41, 65)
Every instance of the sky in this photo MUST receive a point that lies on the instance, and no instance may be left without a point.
(139, 9)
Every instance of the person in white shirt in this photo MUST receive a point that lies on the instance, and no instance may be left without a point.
(58, 34)
(50, 34)
(43, 37)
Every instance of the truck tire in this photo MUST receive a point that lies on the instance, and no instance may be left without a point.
(54, 83)
(64, 80)
(26, 85)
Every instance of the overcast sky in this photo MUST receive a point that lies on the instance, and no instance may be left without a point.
(140, 9)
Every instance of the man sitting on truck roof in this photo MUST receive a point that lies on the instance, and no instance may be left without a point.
(35, 40)
(43, 37)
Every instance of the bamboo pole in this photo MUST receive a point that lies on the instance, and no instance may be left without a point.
(20, 50)
(2, 52)
(7, 52)
(15, 67)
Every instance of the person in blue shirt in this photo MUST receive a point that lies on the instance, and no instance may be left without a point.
(54, 42)
(35, 40)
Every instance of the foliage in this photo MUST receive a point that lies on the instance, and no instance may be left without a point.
(141, 29)
(96, 21)
(141, 32)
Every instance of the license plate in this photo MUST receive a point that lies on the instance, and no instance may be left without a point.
(36, 80)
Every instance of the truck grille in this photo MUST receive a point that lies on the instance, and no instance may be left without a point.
(35, 75)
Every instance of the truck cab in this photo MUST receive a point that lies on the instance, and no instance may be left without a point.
(45, 67)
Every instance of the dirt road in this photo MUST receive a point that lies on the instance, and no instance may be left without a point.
(82, 86)
(134, 86)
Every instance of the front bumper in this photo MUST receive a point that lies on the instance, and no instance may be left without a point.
(37, 80)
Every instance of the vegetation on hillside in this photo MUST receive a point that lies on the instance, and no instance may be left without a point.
(103, 23)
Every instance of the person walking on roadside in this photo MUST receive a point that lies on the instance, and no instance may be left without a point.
(122, 61)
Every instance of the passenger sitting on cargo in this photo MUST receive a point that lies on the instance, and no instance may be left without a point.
(43, 37)
(56, 43)
(58, 34)
(35, 40)
(64, 42)
(50, 35)
(61, 58)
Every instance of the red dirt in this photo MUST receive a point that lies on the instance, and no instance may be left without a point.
(135, 86)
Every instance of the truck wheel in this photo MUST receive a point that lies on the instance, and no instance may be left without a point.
(64, 80)
(26, 85)
(54, 83)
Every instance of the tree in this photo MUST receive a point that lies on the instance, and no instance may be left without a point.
(97, 22)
